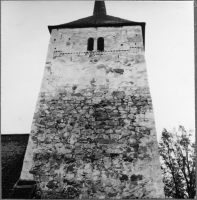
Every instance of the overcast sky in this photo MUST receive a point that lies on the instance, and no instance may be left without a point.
(169, 55)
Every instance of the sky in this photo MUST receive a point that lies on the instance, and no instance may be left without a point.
(169, 56)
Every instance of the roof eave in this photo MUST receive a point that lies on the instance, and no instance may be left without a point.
(66, 26)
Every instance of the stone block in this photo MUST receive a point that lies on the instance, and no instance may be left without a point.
(106, 141)
(119, 71)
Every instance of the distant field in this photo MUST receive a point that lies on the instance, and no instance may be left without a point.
(13, 149)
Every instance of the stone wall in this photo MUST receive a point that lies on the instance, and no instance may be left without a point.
(93, 133)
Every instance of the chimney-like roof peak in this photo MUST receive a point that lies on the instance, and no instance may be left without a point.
(99, 8)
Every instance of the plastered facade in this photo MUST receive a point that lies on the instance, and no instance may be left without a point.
(93, 133)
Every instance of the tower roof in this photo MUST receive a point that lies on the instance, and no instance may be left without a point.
(99, 19)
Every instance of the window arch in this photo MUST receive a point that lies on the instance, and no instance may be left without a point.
(100, 44)
(90, 44)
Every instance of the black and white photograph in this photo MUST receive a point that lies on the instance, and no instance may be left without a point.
(98, 100)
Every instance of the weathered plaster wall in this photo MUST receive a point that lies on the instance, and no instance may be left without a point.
(93, 132)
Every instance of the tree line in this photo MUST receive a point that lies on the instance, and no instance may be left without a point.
(178, 161)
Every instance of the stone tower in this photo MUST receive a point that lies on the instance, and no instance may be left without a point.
(93, 132)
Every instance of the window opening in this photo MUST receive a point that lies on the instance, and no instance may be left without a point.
(90, 44)
(100, 44)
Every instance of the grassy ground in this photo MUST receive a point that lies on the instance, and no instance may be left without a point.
(13, 149)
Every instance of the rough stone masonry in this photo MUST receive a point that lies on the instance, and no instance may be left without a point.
(93, 133)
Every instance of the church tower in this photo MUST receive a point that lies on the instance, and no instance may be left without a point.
(93, 132)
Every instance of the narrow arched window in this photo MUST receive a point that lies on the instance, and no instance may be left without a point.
(90, 44)
(100, 44)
